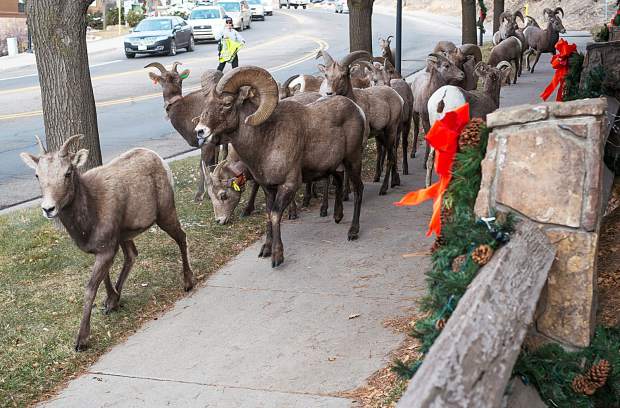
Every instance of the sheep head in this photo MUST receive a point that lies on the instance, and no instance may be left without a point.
(223, 196)
(337, 73)
(556, 22)
(222, 110)
(446, 69)
(491, 74)
(284, 89)
(56, 172)
(171, 80)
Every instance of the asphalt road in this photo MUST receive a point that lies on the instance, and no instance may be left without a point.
(130, 106)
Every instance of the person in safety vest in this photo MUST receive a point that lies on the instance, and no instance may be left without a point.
(230, 41)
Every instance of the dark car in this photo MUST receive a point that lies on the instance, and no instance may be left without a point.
(157, 35)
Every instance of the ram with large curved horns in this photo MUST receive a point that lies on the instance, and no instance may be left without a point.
(285, 143)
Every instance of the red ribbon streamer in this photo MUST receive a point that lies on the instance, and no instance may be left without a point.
(443, 136)
(559, 62)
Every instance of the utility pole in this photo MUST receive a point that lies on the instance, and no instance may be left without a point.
(399, 30)
(120, 15)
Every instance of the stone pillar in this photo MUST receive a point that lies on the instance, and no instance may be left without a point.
(544, 163)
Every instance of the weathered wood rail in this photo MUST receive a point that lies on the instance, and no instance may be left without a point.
(470, 363)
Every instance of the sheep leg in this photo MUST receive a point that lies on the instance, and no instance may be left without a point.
(283, 198)
(416, 132)
(426, 125)
(390, 161)
(518, 68)
(249, 208)
(170, 224)
(103, 262)
(292, 210)
(129, 253)
(307, 195)
(395, 175)
(338, 210)
(535, 61)
(405, 142)
(315, 193)
(380, 160)
(325, 199)
(429, 168)
(265, 250)
(347, 187)
(355, 170)
(204, 157)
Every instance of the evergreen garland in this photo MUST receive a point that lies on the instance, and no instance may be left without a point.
(571, 87)
(483, 15)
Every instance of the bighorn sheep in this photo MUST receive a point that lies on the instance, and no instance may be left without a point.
(543, 41)
(382, 106)
(508, 50)
(386, 51)
(439, 71)
(481, 103)
(508, 26)
(381, 75)
(465, 58)
(181, 110)
(285, 143)
(307, 83)
(286, 90)
(107, 207)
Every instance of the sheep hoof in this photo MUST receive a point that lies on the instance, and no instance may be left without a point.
(338, 218)
(323, 212)
(111, 304)
(376, 179)
(81, 344)
(383, 191)
(345, 197)
(276, 260)
(353, 235)
(412, 155)
(247, 212)
(199, 197)
(187, 286)
(265, 251)
(395, 180)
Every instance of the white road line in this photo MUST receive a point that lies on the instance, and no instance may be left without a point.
(90, 66)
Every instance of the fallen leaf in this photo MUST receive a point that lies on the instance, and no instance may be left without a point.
(331, 358)
(144, 285)
(353, 316)
(413, 254)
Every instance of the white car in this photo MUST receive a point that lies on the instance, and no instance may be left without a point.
(258, 10)
(268, 6)
(341, 6)
(206, 21)
(239, 11)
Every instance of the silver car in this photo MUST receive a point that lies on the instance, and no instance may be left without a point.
(206, 21)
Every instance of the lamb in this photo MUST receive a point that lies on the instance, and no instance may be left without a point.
(439, 71)
(285, 143)
(382, 106)
(181, 110)
(543, 41)
(508, 50)
(481, 103)
(107, 207)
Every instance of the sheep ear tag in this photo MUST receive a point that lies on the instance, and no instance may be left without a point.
(184, 75)
(235, 186)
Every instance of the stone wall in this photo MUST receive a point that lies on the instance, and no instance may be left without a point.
(544, 162)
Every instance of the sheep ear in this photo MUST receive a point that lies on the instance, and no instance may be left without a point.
(154, 77)
(321, 68)
(79, 158)
(31, 160)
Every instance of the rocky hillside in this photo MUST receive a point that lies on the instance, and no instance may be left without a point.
(579, 14)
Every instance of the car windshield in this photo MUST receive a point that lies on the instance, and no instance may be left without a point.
(154, 25)
(204, 14)
(230, 6)
(254, 1)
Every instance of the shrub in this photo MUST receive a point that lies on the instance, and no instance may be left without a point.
(134, 17)
(181, 14)
(94, 20)
(111, 17)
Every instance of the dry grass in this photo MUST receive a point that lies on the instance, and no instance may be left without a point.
(609, 270)
(42, 275)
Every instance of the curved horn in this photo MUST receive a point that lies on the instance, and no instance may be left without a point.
(504, 16)
(354, 56)
(502, 65)
(64, 149)
(560, 10)
(547, 11)
(366, 64)
(326, 57)
(40, 144)
(518, 14)
(261, 81)
(287, 83)
(157, 65)
(209, 79)
(388, 39)
(175, 64)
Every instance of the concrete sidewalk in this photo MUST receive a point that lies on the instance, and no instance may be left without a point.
(254, 336)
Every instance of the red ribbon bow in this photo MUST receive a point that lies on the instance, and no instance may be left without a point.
(443, 136)
(559, 62)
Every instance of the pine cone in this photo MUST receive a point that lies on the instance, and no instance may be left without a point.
(439, 241)
(440, 324)
(446, 215)
(458, 262)
(582, 385)
(482, 255)
(470, 135)
(599, 372)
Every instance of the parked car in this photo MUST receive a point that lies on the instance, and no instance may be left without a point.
(341, 6)
(268, 5)
(293, 3)
(206, 21)
(155, 35)
(258, 11)
(239, 11)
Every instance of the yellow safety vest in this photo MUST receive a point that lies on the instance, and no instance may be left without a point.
(229, 49)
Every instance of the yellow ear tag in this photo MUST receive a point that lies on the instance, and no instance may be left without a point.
(235, 186)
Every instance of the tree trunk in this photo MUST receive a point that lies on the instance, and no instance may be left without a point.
(468, 21)
(59, 36)
(360, 25)
(498, 8)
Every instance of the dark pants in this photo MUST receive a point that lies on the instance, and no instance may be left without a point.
(234, 62)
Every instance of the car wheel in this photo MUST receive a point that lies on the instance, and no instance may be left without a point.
(242, 26)
(304, 6)
(130, 55)
(173, 48)
(190, 46)
(288, 6)
(295, 7)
